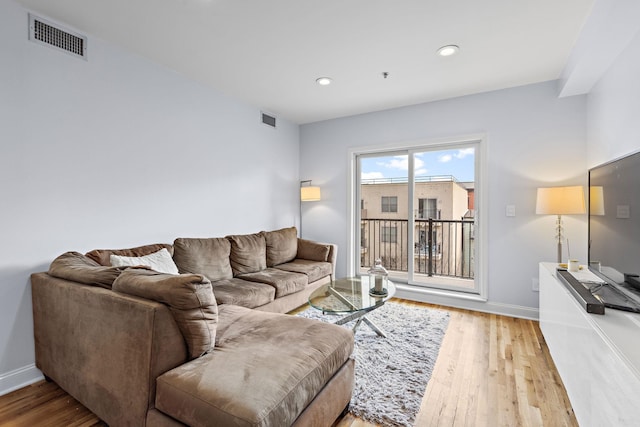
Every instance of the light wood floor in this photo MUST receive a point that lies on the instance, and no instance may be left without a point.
(491, 371)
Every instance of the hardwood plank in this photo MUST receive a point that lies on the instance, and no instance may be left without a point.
(44, 404)
(491, 371)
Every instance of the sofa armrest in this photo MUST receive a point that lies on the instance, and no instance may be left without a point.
(316, 251)
(104, 348)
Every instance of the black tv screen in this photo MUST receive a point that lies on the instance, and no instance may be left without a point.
(614, 221)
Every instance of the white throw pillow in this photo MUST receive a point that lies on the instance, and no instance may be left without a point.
(160, 261)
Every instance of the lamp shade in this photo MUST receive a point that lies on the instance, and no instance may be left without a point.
(309, 194)
(560, 200)
(596, 200)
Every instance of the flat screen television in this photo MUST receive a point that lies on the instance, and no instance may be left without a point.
(614, 222)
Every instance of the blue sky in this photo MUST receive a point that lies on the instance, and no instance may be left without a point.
(459, 163)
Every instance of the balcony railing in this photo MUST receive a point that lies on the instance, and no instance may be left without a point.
(443, 247)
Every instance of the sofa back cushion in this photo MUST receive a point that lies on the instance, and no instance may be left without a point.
(79, 268)
(282, 245)
(189, 297)
(313, 251)
(248, 253)
(103, 256)
(209, 257)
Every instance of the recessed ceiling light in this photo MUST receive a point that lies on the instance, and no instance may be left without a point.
(323, 81)
(448, 50)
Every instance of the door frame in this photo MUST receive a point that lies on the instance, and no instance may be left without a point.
(480, 201)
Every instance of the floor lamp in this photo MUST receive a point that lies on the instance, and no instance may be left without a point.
(308, 193)
(560, 201)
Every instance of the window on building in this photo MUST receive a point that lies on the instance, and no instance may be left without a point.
(389, 204)
(389, 234)
(428, 208)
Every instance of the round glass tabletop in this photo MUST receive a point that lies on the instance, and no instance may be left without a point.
(348, 295)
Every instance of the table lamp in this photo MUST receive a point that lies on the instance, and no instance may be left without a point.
(560, 201)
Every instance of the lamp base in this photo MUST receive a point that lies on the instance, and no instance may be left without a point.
(559, 252)
(559, 237)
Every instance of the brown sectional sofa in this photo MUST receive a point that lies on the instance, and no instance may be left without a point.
(140, 347)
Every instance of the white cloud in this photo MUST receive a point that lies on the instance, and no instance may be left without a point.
(372, 175)
(420, 172)
(464, 152)
(460, 154)
(402, 163)
(398, 162)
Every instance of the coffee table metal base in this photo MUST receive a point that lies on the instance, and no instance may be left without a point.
(360, 315)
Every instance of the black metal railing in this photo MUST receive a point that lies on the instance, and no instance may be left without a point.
(442, 247)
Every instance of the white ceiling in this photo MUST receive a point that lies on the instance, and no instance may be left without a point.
(270, 52)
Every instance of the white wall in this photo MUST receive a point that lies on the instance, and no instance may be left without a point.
(115, 152)
(613, 108)
(534, 139)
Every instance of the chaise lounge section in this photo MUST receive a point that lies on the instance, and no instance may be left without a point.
(140, 347)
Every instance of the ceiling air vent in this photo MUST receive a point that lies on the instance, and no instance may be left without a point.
(268, 120)
(49, 34)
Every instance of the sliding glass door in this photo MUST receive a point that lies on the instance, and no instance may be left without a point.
(418, 215)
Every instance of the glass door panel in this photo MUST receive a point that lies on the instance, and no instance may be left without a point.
(383, 194)
(444, 219)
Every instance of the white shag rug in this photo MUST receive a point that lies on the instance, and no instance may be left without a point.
(392, 373)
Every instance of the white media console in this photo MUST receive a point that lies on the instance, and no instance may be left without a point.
(597, 356)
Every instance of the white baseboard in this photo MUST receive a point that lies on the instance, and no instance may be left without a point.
(18, 378)
(468, 302)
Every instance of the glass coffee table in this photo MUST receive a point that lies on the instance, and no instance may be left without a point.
(350, 295)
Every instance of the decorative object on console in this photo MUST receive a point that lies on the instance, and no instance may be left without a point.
(560, 201)
(308, 193)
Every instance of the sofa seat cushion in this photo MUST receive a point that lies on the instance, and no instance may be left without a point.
(264, 370)
(314, 270)
(284, 282)
(242, 292)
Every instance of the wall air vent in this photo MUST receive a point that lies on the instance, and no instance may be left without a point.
(49, 34)
(268, 120)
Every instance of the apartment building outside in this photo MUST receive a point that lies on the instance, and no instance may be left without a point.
(443, 230)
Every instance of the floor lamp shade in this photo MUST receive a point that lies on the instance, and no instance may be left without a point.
(309, 194)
